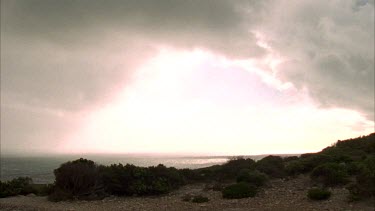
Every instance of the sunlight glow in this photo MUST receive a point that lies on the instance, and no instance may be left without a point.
(164, 111)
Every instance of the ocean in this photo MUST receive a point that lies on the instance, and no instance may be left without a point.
(40, 169)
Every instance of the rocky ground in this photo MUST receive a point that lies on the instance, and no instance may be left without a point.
(279, 195)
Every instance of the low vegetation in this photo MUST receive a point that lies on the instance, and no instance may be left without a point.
(255, 178)
(330, 174)
(271, 165)
(239, 190)
(349, 163)
(318, 194)
(23, 186)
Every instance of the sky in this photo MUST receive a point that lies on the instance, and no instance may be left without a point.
(194, 77)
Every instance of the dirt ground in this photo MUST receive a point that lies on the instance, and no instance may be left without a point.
(279, 195)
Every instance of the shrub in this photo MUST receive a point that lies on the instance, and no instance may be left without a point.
(310, 161)
(364, 187)
(253, 177)
(43, 189)
(295, 167)
(239, 190)
(330, 174)
(76, 179)
(272, 166)
(17, 186)
(199, 199)
(318, 194)
(132, 180)
(190, 175)
(290, 158)
(353, 168)
(230, 170)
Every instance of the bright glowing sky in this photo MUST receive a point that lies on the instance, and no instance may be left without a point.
(185, 77)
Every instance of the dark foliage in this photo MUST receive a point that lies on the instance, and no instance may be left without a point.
(239, 190)
(17, 186)
(271, 165)
(77, 179)
(330, 174)
(226, 172)
(290, 158)
(364, 187)
(133, 180)
(252, 177)
(190, 176)
(231, 169)
(318, 194)
(354, 149)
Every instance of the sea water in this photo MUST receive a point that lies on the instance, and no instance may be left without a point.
(40, 169)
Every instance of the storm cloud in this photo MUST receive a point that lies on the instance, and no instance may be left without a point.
(60, 58)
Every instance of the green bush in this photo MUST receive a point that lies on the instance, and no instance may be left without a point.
(295, 167)
(230, 170)
(17, 186)
(43, 189)
(310, 161)
(290, 158)
(239, 190)
(77, 179)
(199, 199)
(190, 175)
(133, 180)
(330, 174)
(252, 177)
(364, 186)
(318, 194)
(272, 166)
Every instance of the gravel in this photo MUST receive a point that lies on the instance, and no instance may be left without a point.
(278, 195)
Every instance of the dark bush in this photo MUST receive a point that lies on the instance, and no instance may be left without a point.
(318, 194)
(239, 190)
(17, 186)
(252, 177)
(77, 179)
(290, 158)
(330, 174)
(190, 175)
(353, 168)
(272, 166)
(295, 167)
(42, 189)
(313, 160)
(171, 175)
(230, 170)
(132, 180)
(199, 199)
(364, 187)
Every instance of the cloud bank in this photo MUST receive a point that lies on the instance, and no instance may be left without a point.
(61, 59)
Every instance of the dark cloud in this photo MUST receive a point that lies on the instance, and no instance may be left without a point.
(329, 49)
(218, 25)
(68, 55)
(56, 52)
